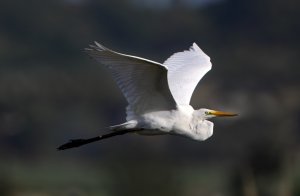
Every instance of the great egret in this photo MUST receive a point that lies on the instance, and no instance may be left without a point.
(158, 94)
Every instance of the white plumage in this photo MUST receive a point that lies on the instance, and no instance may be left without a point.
(158, 95)
(185, 70)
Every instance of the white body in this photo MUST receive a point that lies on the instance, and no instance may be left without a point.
(159, 94)
(182, 121)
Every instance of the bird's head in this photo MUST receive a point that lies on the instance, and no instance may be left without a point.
(207, 113)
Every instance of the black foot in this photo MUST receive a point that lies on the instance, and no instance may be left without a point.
(72, 144)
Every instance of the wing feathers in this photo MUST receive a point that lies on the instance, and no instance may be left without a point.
(185, 69)
(143, 82)
(146, 85)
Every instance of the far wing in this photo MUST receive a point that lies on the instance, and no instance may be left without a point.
(143, 82)
(185, 69)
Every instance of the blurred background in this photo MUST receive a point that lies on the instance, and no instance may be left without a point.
(51, 91)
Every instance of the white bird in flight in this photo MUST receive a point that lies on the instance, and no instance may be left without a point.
(158, 95)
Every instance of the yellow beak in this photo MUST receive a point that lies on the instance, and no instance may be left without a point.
(219, 113)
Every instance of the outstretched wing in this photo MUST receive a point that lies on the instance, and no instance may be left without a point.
(185, 69)
(143, 82)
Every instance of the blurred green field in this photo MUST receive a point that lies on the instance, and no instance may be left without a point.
(143, 177)
(82, 178)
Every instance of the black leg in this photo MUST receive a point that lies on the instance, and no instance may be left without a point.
(79, 142)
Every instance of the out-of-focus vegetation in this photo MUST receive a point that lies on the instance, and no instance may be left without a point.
(50, 91)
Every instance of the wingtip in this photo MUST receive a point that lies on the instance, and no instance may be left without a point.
(96, 43)
(95, 47)
(100, 46)
(195, 46)
(87, 49)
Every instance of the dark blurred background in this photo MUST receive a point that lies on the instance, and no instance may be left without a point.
(50, 91)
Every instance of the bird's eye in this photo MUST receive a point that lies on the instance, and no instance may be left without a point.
(207, 112)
